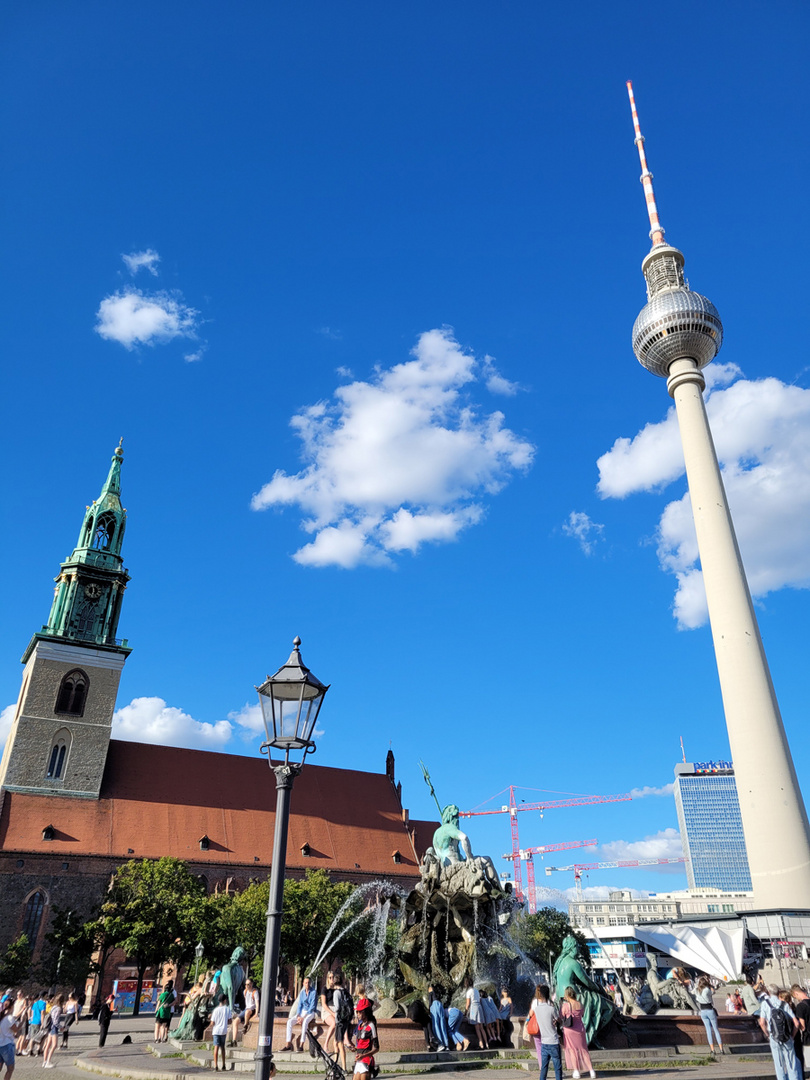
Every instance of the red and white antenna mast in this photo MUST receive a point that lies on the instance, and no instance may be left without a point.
(656, 229)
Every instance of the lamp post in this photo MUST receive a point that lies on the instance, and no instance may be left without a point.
(290, 700)
(198, 952)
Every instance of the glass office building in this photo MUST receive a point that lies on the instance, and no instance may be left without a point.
(711, 826)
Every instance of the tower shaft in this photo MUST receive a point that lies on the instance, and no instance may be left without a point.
(777, 833)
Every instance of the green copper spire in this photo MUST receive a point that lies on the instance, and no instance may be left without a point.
(90, 587)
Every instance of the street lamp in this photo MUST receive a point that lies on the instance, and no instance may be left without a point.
(290, 700)
(198, 952)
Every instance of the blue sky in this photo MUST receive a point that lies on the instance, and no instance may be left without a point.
(370, 357)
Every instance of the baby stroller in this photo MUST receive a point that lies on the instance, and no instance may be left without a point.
(330, 1064)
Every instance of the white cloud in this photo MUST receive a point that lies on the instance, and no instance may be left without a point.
(761, 430)
(132, 317)
(249, 717)
(6, 720)
(328, 332)
(151, 720)
(587, 533)
(193, 357)
(665, 844)
(397, 461)
(646, 791)
(495, 382)
(142, 260)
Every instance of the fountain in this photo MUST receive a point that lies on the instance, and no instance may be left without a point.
(455, 921)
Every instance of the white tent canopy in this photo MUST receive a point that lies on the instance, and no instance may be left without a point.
(708, 948)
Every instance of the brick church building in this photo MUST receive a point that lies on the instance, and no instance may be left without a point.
(75, 803)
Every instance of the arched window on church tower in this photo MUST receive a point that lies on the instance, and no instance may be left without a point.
(72, 693)
(32, 916)
(88, 532)
(105, 528)
(58, 756)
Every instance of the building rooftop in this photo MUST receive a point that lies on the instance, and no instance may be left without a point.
(161, 800)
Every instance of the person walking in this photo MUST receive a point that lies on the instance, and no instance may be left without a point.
(547, 1039)
(35, 1026)
(344, 1014)
(708, 1014)
(9, 1026)
(22, 1007)
(69, 1018)
(801, 1010)
(367, 1041)
(779, 1025)
(105, 1015)
(303, 1013)
(55, 1018)
(577, 1058)
(219, 1029)
(163, 1012)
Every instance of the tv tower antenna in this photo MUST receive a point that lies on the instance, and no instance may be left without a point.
(677, 333)
(656, 230)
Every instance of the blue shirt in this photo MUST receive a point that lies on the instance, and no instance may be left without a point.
(307, 1002)
(37, 1009)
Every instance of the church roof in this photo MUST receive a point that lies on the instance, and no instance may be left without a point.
(160, 800)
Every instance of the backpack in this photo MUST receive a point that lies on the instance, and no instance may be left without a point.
(780, 1025)
(344, 1010)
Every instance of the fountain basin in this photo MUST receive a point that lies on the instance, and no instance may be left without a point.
(397, 1034)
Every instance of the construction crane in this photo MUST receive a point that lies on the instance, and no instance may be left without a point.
(623, 863)
(557, 804)
(527, 856)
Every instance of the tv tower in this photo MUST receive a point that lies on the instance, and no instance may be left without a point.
(677, 333)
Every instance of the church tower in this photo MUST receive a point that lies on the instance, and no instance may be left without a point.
(61, 730)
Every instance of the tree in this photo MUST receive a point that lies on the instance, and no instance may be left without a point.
(310, 905)
(72, 941)
(16, 963)
(152, 911)
(541, 935)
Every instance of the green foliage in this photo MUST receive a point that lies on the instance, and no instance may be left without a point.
(16, 963)
(543, 933)
(235, 919)
(73, 940)
(152, 912)
(310, 905)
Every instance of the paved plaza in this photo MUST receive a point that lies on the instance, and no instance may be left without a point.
(134, 1061)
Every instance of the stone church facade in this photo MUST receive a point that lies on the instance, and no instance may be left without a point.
(75, 803)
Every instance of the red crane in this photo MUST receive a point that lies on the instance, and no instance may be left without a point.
(624, 863)
(556, 804)
(526, 854)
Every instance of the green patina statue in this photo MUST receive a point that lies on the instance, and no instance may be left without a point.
(449, 842)
(232, 978)
(598, 1009)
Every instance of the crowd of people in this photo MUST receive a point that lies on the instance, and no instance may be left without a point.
(35, 1024)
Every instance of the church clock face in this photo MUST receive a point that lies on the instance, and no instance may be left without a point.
(92, 591)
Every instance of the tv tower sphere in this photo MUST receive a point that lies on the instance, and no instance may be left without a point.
(675, 322)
